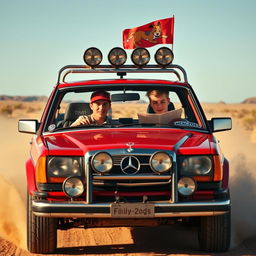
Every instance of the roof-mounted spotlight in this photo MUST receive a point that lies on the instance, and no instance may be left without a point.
(164, 56)
(117, 56)
(140, 57)
(92, 57)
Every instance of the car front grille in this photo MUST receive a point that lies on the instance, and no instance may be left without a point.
(132, 184)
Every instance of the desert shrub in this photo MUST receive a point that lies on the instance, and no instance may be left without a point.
(226, 110)
(210, 111)
(7, 110)
(234, 113)
(31, 110)
(249, 123)
(19, 106)
(253, 113)
(242, 113)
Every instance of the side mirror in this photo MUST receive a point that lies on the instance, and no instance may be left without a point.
(219, 124)
(28, 126)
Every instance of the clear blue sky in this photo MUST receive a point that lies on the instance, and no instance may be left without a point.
(215, 41)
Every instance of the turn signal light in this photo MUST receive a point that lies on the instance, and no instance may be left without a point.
(218, 171)
(41, 170)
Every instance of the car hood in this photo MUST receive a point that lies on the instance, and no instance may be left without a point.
(79, 142)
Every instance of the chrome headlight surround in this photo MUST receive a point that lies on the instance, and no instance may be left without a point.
(73, 187)
(102, 162)
(160, 162)
(64, 166)
(196, 165)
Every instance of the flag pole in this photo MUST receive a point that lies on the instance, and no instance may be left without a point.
(173, 32)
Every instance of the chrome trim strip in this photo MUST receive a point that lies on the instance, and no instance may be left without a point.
(132, 177)
(137, 184)
(174, 189)
(88, 176)
(107, 215)
(143, 184)
(81, 204)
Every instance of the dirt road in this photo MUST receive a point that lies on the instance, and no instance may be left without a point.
(174, 240)
(119, 241)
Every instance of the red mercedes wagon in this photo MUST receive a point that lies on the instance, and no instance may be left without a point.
(136, 169)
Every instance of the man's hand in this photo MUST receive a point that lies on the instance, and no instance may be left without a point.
(81, 120)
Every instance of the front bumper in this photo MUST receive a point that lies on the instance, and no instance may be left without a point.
(80, 209)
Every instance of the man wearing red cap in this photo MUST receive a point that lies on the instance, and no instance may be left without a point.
(100, 104)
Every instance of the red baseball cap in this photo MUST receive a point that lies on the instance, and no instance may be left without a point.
(100, 95)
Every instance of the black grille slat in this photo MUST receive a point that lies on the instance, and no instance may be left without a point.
(143, 159)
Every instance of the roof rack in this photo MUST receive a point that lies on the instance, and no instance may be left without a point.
(81, 69)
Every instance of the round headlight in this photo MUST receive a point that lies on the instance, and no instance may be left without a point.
(102, 162)
(73, 187)
(140, 56)
(92, 57)
(117, 56)
(160, 162)
(164, 56)
(186, 186)
(197, 165)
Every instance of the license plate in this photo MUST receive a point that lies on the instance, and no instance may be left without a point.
(132, 210)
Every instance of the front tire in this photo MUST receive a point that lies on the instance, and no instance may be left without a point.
(214, 233)
(41, 232)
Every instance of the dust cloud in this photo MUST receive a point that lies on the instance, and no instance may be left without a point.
(12, 214)
(238, 147)
(14, 151)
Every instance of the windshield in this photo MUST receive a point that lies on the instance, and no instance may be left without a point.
(152, 106)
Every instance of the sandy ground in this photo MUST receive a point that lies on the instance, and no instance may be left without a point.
(175, 240)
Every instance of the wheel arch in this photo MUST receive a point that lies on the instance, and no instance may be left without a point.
(30, 175)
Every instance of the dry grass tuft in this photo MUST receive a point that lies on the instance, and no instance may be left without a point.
(21, 109)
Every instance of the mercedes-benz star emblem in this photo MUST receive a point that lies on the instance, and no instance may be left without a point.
(130, 165)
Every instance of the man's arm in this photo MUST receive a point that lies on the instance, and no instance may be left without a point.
(82, 120)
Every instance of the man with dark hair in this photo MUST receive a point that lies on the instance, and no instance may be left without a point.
(100, 104)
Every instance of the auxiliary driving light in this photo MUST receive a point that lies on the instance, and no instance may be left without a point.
(102, 162)
(160, 162)
(92, 57)
(164, 56)
(140, 57)
(73, 187)
(117, 56)
(186, 186)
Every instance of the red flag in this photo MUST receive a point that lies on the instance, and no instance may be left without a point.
(151, 34)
